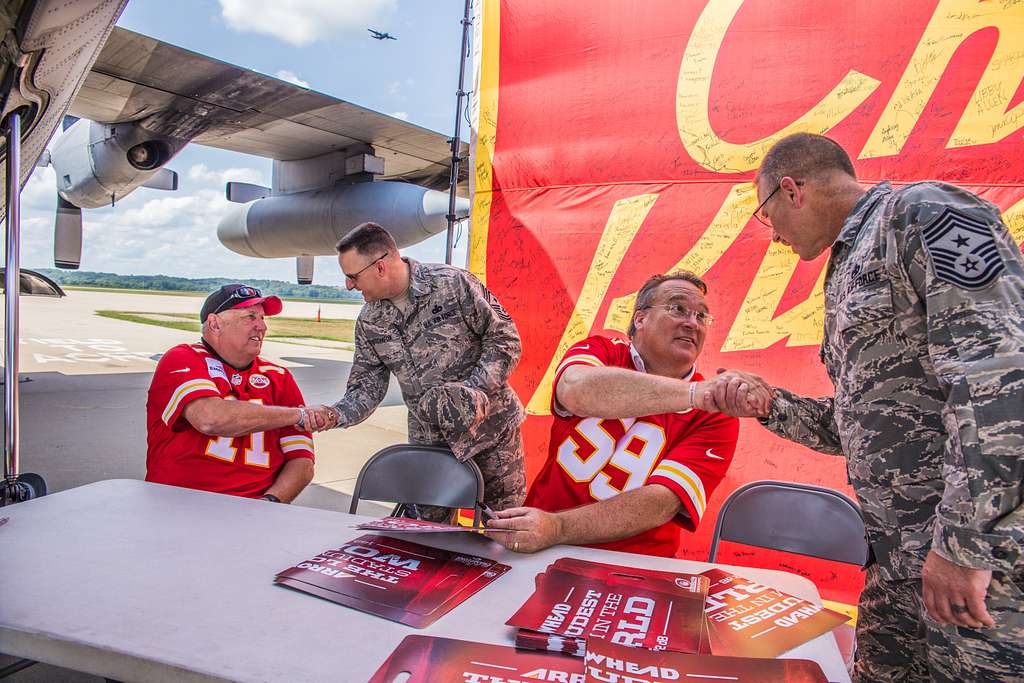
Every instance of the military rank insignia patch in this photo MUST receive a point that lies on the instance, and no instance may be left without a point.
(963, 250)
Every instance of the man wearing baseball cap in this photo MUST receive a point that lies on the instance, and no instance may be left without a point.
(222, 419)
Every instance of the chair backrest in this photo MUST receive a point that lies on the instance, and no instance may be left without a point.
(797, 518)
(421, 475)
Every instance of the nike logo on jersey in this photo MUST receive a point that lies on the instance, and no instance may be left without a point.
(582, 346)
(712, 455)
(182, 370)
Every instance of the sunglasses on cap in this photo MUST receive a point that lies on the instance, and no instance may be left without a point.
(240, 294)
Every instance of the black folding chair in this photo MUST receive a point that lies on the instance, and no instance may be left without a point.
(408, 474)
(796, 518)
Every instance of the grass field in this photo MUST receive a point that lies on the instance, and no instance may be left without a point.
(203, 295)
(278, 327)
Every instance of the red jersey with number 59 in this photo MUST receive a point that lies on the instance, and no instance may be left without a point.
(180, 455)
(592, 459)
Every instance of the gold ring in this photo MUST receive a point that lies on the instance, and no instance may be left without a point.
(515, 547)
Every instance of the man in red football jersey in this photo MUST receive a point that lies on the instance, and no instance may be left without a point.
(631, 462)
(222, 419)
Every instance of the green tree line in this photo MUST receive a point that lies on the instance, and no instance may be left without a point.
(167, 283)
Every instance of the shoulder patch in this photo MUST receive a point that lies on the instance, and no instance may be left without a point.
(963, 250)
(496, 306)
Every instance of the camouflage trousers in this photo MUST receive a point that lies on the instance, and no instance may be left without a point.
(898, 641)
(504, 470)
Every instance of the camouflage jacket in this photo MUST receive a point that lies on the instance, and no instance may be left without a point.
(924, 342)
(455, 332)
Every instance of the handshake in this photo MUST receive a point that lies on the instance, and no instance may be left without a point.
(740, 394)
(317, 418)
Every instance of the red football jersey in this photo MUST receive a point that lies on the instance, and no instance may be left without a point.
(180, 455)
(591, 459)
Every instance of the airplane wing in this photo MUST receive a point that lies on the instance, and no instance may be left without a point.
(48, 47)
(176, 92)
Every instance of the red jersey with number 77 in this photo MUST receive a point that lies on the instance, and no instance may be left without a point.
(592, 459)
(180, 455)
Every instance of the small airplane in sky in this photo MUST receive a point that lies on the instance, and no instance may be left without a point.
(381, 35)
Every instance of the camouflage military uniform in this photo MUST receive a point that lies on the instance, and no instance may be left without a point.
(452, 352)
(924, 342)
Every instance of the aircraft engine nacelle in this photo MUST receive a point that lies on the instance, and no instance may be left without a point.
(99, 163)
(311, 223)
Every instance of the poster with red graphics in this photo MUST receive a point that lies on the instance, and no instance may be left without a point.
(633, 610)
(412, 526)
(399, 580)
(435, 660)
(747, 619)
(615, 140)
(609, 663)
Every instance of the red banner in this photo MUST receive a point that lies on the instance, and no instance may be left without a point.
(616, 140)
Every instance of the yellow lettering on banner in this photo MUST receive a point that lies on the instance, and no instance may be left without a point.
(754, 326)
(693, 97)
(623, 224)
(488, 25)
(1014, 219)
(726, 226)
(985, 120)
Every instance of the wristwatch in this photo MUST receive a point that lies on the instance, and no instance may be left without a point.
(302, 418)
(271, 497)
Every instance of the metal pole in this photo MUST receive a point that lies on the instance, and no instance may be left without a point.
(456, 142)
(12, 287)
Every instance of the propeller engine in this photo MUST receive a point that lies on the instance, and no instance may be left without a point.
(98, 164)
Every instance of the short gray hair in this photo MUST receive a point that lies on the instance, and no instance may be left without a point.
(803, 155)
(646, 294)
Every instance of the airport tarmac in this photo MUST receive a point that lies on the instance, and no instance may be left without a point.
(83, 408)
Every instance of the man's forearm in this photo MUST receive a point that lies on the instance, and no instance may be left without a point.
(618, 392)
(622, 516)
(293, 477)
(224, 417)
(807, 421)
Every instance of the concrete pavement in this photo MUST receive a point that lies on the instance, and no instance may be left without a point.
(83, 410)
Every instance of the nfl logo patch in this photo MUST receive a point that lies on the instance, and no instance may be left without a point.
(963, 250)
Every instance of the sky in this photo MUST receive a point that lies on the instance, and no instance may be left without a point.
(320, 44)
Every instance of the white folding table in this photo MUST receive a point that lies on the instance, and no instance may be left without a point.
(143, 582)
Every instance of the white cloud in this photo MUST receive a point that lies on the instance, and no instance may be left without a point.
(291, 77)
(301, 22)
(200, 173)
(404, 115)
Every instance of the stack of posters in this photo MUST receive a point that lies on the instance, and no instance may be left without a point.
(747, 619)
(424, 659)
(413, 526)
(399, 580)
(575, 601)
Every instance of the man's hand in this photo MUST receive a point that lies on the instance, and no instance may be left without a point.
(321, 418)
(525, 530)
(954, 594)
(740, 394)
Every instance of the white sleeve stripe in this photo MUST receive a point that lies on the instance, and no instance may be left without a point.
(271, 368)
(583, 360)
(183, 391)
(295, 441)
(688, 480)
(297, 447)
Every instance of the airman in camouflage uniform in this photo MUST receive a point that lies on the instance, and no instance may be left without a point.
(452, 347)
(924, 342)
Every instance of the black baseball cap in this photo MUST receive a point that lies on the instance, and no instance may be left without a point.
(238, 296)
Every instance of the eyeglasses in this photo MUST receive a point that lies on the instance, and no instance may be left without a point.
(240, 294)
(680, 312)
(759, 213)
(359, 272)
